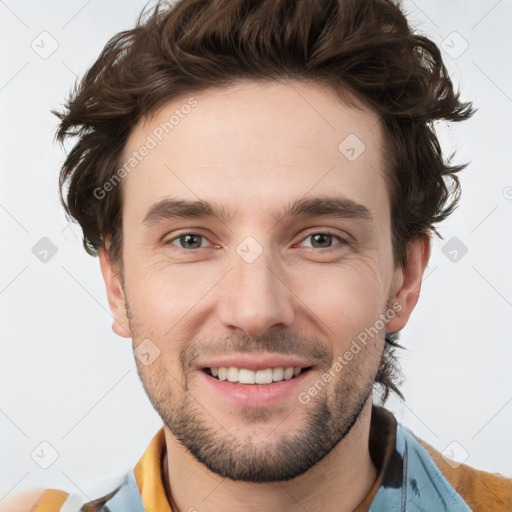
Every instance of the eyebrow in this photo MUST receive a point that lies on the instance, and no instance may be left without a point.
(322, 206)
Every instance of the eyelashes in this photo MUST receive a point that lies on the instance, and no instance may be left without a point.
(191, 237)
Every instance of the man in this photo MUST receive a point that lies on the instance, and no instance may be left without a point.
(261, 181)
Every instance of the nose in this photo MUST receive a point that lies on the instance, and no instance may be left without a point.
(255, 298)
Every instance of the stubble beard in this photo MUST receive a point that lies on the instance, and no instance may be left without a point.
(327, 421)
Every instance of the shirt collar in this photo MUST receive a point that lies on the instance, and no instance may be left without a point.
(150, 478)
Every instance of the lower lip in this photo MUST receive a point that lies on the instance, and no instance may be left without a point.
(255, 395)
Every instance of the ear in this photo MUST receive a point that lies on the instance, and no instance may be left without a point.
(115, 293)
(407, 281)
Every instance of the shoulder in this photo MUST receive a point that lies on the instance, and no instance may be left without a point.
(481, 490)
(57, 500)
(36, 500)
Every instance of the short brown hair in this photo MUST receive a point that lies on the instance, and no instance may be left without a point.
(363, 47)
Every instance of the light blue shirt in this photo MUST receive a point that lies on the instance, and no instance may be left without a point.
(423, 487)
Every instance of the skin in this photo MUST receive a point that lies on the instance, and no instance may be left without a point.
(253, 148)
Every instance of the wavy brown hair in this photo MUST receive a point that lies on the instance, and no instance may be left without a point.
(363, 47)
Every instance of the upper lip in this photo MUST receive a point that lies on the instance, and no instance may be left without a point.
(256, 362)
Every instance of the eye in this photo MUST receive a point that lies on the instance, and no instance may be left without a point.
(187, 241)
(323, 240)
(319, 240)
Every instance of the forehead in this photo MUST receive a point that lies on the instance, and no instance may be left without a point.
(255, 146)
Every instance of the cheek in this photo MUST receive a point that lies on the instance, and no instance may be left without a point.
(162, 294)
(347, 299)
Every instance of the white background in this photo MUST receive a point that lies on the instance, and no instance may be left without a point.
(67, 379)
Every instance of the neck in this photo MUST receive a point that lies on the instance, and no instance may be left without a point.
(340, 481)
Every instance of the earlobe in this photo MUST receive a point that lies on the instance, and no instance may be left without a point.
(407, 282)
(115, 294)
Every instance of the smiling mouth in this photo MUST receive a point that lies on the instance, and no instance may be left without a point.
(247, 377)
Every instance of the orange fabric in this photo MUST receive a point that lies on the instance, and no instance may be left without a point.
(482, 491)
(149, 477)
(50, 501)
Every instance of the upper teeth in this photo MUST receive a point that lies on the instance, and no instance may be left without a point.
(245, 376)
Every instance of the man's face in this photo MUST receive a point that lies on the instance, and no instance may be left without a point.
(258, 289)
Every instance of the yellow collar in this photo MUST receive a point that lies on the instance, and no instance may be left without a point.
(150, 479)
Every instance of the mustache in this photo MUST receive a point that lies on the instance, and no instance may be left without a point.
(278, 343)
